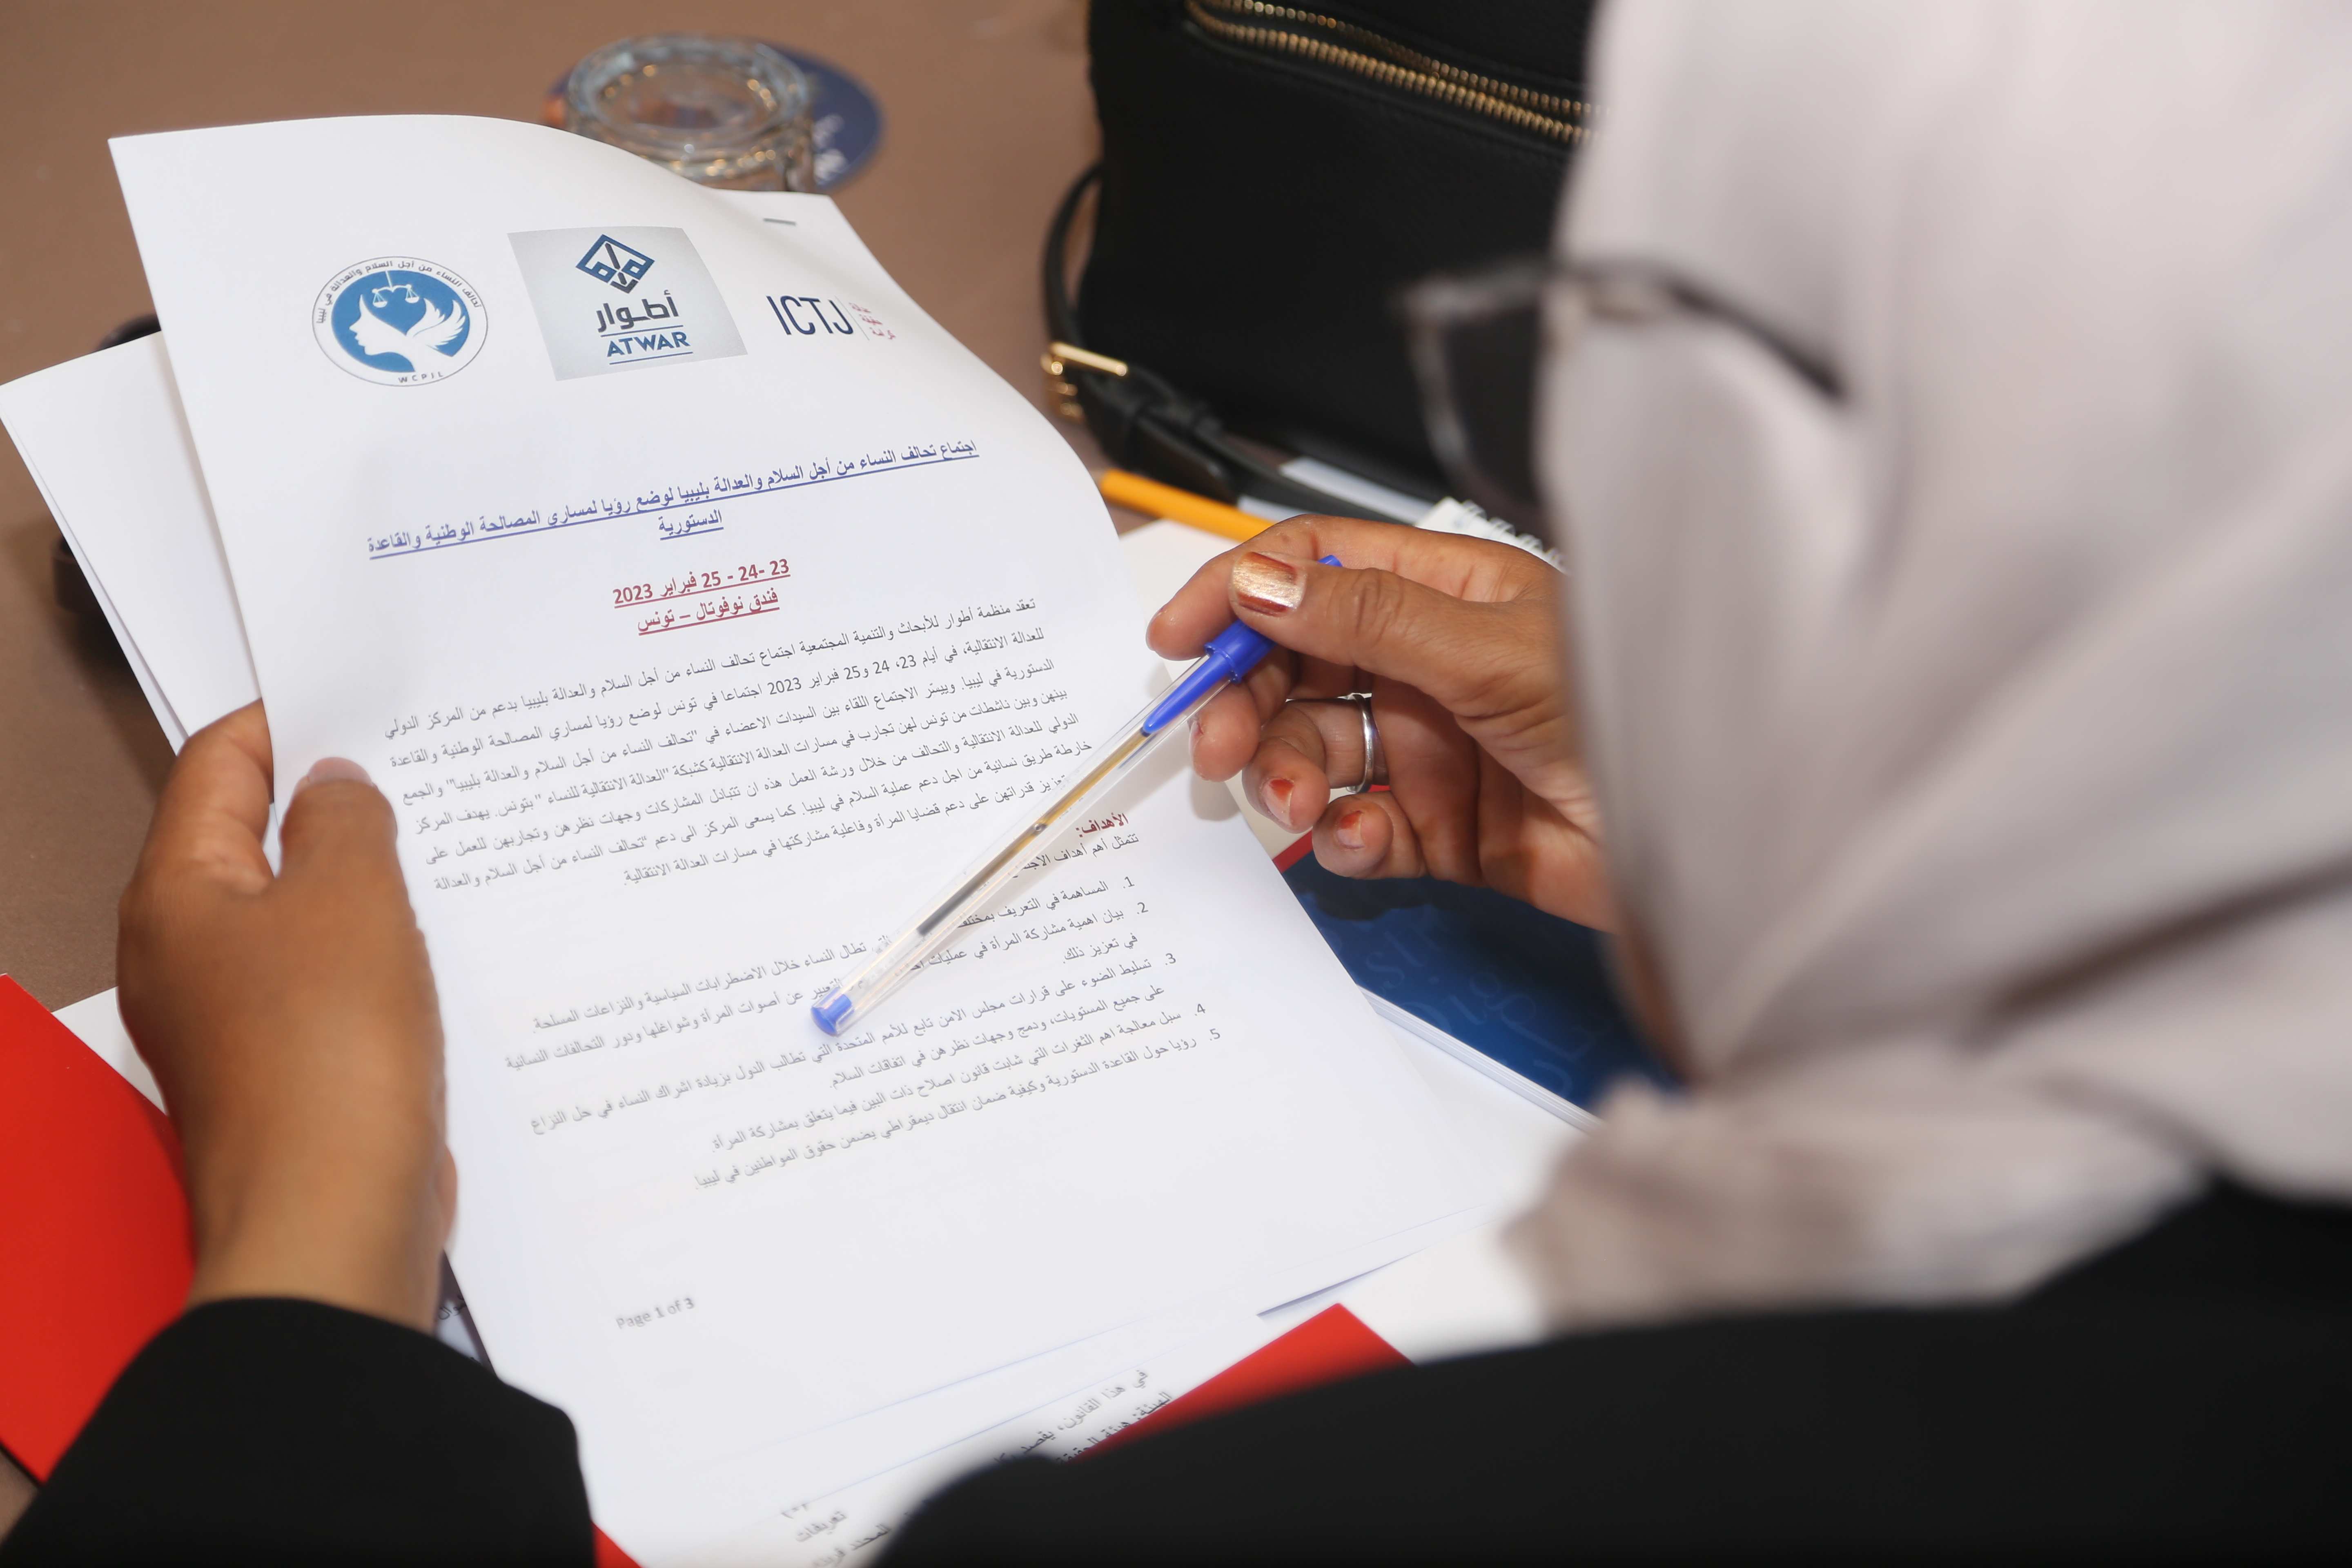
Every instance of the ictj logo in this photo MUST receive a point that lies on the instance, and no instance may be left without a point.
(807, 315)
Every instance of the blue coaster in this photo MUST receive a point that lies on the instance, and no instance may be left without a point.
(845, 120)
(1528, 990)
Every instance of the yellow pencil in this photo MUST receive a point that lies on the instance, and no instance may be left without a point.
(1153, 499)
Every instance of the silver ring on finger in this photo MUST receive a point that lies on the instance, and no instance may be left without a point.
(1376, 761)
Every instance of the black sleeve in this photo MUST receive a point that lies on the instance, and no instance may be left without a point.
(284, 1431)
(2184, 1397)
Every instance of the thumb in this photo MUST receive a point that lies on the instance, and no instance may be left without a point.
(1475, 657)
(339, 827)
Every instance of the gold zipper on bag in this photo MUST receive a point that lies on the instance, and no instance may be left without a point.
(1561, 119)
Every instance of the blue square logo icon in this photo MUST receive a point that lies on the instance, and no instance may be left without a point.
(610, 261)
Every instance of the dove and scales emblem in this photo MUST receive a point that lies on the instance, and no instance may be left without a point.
(399, 322)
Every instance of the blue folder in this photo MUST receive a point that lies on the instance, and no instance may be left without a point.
(1529, 993)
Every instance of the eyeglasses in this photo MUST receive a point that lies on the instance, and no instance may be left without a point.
(1477, 339)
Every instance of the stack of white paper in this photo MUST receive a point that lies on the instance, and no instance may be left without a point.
(701, 605)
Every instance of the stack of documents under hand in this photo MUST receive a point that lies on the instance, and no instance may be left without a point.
(701, 605)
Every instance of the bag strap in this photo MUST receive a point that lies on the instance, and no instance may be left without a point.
(1144, 423)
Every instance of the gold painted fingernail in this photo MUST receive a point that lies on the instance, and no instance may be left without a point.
(1269, 586)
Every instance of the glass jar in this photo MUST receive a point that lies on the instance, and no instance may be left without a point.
(728, 112)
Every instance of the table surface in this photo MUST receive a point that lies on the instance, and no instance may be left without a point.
(987, 118)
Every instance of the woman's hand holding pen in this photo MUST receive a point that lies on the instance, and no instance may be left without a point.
(291, 1022)
(1458, 643)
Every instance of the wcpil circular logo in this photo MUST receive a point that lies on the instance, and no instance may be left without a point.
(399, 322)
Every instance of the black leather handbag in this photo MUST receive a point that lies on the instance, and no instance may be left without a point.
(1271, 178)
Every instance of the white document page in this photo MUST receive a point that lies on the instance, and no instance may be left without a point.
(107, 443)
(148, 687)
(105, 438)
(1463, 1296)
(90, 420)
(691, 679)
(107, 427)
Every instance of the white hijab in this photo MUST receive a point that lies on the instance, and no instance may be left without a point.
(1975, 743)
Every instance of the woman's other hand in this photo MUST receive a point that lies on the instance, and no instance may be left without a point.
(1458, 641)
(291, 1023)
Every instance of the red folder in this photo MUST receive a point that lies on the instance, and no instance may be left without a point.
(94, 1248)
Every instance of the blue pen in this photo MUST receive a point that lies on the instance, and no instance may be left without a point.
(1233, 654)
